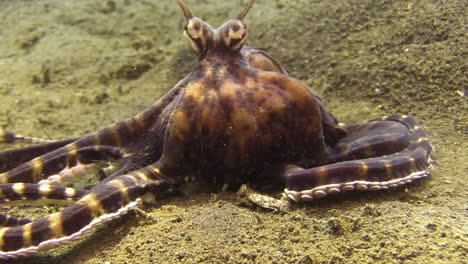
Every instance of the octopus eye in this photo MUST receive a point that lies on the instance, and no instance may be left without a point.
(235, 28)
(198, 34)
(235, 31)
(197, 31)
(194, 43)
(235, 35)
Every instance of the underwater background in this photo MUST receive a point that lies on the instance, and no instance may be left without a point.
(71, 67)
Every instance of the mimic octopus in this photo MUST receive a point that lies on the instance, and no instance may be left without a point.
(237, 119)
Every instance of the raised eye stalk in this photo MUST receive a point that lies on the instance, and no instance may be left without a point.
(245, 11)
(187, 13)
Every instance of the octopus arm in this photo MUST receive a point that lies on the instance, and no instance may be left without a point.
(375, 155)
(10, 159)
(101, 204)
(20, 193)
(57, 161)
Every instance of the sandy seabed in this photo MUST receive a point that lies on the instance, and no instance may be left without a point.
(71, 67)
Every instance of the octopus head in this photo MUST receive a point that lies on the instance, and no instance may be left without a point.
(229, 37)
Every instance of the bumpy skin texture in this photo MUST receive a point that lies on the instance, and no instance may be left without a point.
(237, 118)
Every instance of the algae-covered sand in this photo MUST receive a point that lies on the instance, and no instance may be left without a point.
(71, 67)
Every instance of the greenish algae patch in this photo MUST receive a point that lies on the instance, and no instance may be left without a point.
(69, 68)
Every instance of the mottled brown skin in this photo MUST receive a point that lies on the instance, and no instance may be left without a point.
(232, 118)
(237, 118)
